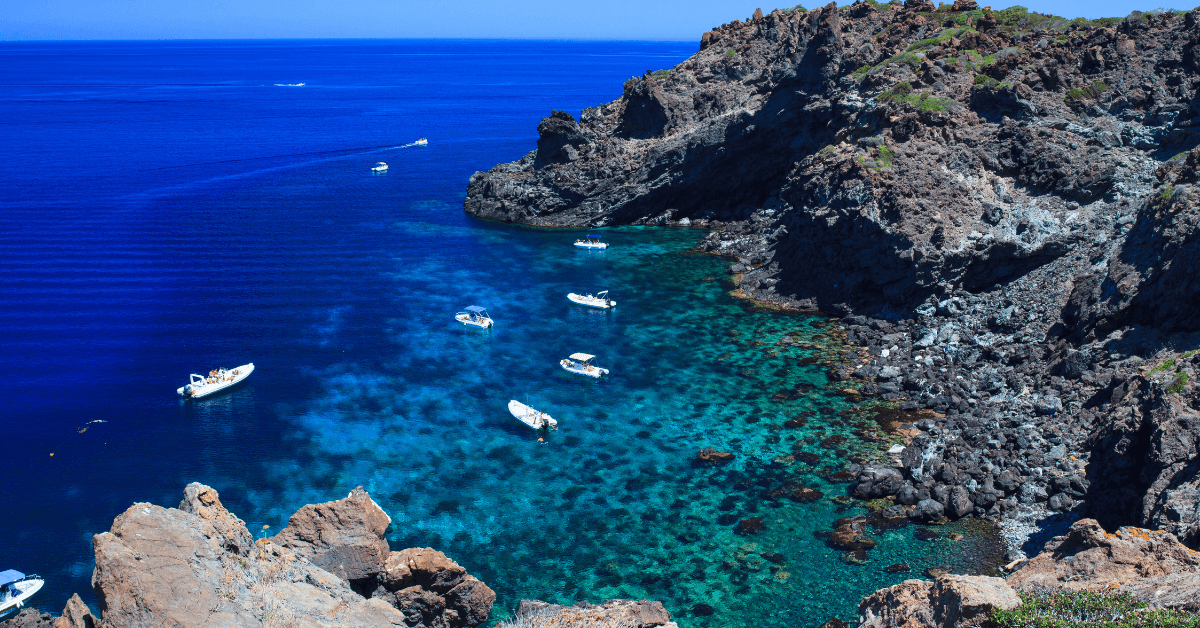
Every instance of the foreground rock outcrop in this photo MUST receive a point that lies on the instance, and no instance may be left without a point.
(610, 614)
(198, 565)
(1152, 566)
(1001, 206)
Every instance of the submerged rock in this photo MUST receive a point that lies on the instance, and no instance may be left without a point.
(710, 455)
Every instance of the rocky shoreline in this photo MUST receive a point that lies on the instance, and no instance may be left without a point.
(198, 566)
(996, 206)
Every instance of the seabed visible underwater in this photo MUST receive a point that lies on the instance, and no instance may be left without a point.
(220, 219)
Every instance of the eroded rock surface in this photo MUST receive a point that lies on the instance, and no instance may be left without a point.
(198, 565)
(610, 614)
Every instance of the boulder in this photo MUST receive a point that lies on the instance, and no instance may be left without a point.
(76, 614)
(851, 536)
(876, 481)
(425, 582)
(710, 455)
(928, 510)
(966, 5)
(344, 537)
(951, 601)
(624, 613)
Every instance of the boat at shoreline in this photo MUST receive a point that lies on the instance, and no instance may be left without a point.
(16, 587)
(475, 316)
(531, 417)
(380, 166)
(581, 364)
(591, 242)
(216, 381)
(600, 301)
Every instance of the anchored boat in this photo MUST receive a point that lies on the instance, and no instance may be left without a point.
(216, 381)
(591, 242)
(475, 316)
(601, 300)
(15, 588)
(380, 166)
(532, 418)
(581, 364)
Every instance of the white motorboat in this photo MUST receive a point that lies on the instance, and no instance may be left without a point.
(581, 364)
(532, 418)
(475, 316)
(421, 142)
(591, 242)
(380, 166)
(15, 588)
(601, 300)
(216, 381)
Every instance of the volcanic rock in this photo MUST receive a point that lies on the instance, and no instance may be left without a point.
(344, 537)
(630, 613)
(710, 455)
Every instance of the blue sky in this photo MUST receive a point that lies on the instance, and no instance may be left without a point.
(533, 19)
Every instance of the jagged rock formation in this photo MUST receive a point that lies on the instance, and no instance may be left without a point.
(1152, 566)
(198, 565)
(1000, 205)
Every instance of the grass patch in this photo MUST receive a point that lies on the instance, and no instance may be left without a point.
(730, 53)
(902, 92)
(1169, 364)
(983, 80)
(1189, 354)
(861, 73)
(1088, 609)
(1091, 92)
(945, 36)
(1177, 385)
(661, 74)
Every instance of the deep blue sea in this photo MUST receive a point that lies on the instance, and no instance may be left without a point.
(172, 207)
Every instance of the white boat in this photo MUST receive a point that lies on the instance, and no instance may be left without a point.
(216, 381)
(380, 166)
(15, 588)
(601, 300)
(581, 364)
(475, 316)
(421, 142)
(532, 418)
(591, 242)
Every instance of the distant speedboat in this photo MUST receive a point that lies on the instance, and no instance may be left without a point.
(591, 242)
(581, 364)
(600, 301)
(476, 317)
(216, 381)
(529, 416)
(421, 142)
(380, 166)
(15, 588)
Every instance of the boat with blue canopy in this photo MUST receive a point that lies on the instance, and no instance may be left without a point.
(15, 588)
(592, 241)
(475, 316)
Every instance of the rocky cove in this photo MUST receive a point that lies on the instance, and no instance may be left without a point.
(997, 207)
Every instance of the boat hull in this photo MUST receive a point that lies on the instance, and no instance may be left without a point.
(530, 417)
(589, 301)
(484, 324)
(592, 245)
(591, 371)
(27, 588)
(208, 390)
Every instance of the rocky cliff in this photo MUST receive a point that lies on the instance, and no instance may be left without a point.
(999, 205)
(198, 565)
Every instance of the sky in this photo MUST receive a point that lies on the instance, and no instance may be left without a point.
(657, 20)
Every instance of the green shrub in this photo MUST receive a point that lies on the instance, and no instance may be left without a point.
(1088, 609)
(885, 157)
(1091, 92)
(906, 58)
(799, 8)
(861, 72)
(730, 52)
(1178, 383)
(902, 92)
(1169, 364)
(985, 80)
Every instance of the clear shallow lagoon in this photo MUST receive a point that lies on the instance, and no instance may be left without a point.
(166, 208)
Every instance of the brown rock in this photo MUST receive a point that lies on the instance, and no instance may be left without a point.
(344, 537)
(710, 455)
(1151, 565)
(419, 575)
(850, 536)
(952, 601)
(905, 605)
(966, 5)
(28, 618)
(625, 613)
(753, 525)
(76, 614)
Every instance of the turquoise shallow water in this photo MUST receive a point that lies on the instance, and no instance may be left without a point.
(219, 220)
